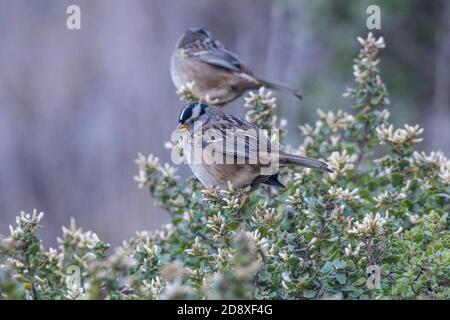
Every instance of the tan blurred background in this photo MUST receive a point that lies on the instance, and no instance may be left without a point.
(77, 106)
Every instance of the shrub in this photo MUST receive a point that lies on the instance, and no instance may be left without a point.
(319, 237)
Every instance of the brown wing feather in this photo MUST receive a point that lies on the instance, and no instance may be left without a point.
(249, 142)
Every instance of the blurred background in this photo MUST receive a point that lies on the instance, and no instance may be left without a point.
(77, 105)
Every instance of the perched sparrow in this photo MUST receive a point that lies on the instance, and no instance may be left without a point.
(232, 150)
(217, 73)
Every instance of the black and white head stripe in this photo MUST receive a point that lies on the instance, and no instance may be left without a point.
(192, 111)
(194, 37)
(201, 31)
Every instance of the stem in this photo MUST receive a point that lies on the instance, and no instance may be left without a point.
(362, 144)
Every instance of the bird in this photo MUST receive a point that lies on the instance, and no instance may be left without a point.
(244, 170)
(217, 74)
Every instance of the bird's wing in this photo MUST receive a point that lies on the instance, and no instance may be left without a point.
(221, 58)
(237, 138)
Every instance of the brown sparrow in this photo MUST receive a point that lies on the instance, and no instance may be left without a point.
(232, 150)
(217, 74)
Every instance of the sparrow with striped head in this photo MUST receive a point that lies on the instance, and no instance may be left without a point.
(245, 162)
(217, 74)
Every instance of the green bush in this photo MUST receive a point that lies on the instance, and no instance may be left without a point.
(316, 239)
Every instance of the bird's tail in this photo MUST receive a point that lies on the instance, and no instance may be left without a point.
(281, 87)
(290, 159)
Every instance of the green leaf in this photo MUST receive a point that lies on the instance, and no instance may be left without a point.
(341, 278)
(360, 282)
(293, 262)
(397, 179)
(327, 268)
(309, 294)
(233, 225)
(339, 264)
(35, 248)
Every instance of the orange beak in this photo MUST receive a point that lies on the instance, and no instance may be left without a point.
(182, 127)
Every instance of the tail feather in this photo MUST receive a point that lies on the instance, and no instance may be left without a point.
(281, 87)
(290, 159)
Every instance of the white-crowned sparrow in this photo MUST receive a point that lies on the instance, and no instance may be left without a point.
(232, 150)
(218, 74)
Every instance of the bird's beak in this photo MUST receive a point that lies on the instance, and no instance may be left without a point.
(182, 127)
